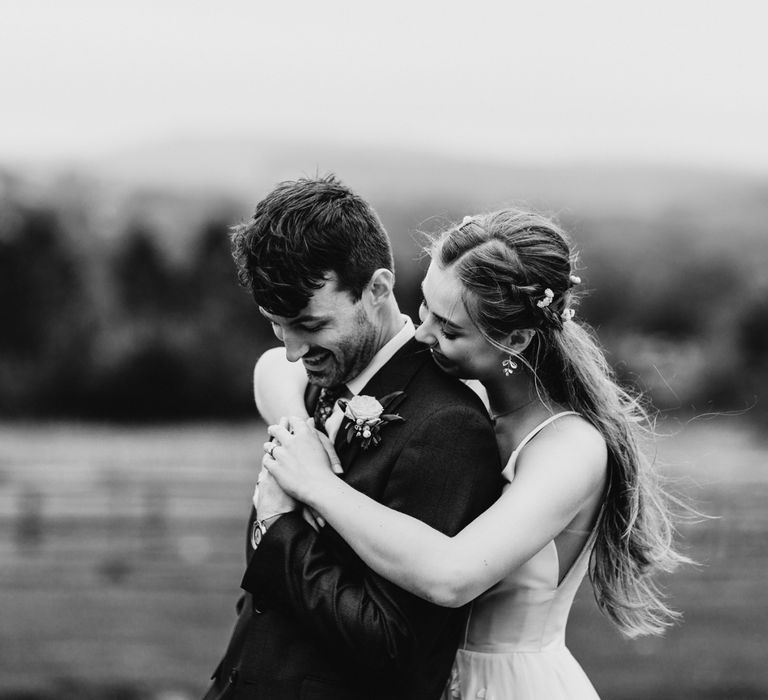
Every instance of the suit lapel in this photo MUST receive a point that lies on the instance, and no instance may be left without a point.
(393, 376)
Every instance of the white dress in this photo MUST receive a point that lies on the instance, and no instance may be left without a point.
(514, 643)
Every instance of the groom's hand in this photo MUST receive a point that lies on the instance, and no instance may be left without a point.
(272, 500)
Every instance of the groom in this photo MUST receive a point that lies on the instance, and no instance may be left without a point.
(315, 622)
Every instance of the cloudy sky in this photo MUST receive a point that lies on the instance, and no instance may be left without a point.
(679, 81)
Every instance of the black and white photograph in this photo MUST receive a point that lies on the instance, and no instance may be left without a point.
(383, 351)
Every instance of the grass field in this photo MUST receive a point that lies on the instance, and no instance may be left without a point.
(122, 552)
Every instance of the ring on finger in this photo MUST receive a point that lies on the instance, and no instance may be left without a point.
(271, 449)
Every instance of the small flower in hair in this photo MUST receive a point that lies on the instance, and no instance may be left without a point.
(568, 314)
(466, 220)
(575, 279)
(546, 300)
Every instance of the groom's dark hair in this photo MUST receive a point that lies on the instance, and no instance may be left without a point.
(302, 231)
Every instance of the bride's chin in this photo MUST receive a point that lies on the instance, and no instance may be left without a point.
(446, 365)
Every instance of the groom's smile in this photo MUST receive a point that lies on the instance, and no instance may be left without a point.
(332, 335)
(317, 360)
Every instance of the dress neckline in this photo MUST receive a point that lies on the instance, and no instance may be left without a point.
(585, 548)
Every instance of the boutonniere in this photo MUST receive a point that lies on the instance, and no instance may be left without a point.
(365, 416)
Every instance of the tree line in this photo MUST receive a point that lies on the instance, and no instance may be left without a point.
(121, 330)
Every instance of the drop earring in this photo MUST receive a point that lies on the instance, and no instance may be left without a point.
(509, 366)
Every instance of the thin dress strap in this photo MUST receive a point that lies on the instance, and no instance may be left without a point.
(509, 469)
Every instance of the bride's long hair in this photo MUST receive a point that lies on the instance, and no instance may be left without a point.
(518, 270)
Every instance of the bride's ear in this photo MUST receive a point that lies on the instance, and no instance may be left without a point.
(520, 339)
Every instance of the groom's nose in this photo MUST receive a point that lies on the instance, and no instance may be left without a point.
(295, 348)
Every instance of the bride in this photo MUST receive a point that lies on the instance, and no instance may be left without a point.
(580, 496)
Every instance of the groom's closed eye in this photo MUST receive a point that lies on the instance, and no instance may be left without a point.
(301, 327)
(311, 328)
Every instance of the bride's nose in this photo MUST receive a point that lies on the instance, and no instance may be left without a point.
(425, 334)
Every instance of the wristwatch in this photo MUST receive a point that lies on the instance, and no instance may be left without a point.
(259, 529)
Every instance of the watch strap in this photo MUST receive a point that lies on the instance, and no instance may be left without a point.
(260, 527)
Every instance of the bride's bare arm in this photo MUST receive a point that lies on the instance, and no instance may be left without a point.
(555, 479)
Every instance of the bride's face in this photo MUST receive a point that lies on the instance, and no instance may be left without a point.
(457, 345)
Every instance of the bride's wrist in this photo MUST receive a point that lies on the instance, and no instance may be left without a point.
(322, 492)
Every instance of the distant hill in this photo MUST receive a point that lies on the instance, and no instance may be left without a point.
(246, 169)
(173, 185)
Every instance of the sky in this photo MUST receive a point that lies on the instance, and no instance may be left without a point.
(678, 81)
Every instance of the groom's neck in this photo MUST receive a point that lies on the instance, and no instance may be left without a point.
(391, 324)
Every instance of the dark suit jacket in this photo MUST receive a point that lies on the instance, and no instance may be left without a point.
(315, 621)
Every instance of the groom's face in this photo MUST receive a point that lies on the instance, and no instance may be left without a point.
(332, 336)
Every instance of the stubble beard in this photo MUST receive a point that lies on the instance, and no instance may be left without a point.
(352, 356)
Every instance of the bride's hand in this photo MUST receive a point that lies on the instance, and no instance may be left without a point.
(301, 461)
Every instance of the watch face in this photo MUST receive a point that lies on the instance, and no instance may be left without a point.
(256, 534)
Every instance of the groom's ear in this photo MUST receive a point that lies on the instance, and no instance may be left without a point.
(380, 286)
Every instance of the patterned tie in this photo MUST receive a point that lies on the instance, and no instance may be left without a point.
(325, 403)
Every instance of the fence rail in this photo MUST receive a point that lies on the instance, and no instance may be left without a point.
(122, 553)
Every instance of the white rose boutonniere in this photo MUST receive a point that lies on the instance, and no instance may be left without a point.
(365, 416)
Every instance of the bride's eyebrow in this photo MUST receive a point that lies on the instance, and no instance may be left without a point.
(444, 322)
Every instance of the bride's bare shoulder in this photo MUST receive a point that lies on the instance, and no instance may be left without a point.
(278, 385)
(274, 360)
(273, 367)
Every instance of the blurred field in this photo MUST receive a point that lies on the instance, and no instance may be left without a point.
(122, 552)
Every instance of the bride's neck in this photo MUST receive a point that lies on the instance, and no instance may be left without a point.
(509, 394)
(516, 407)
